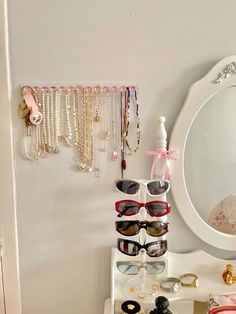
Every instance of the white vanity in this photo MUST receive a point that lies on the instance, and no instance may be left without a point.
(203, 175)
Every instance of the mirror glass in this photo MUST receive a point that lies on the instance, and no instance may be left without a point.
(210, 161)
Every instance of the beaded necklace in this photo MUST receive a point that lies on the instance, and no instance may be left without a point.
(134, 101)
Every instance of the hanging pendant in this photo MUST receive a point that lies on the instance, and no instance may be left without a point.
(96, 118)
(123, 164)
(114, 155)
(82, 167)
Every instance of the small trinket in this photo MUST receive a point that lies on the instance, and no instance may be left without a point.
(96, 118)
(114, 156)
(107, 135)
(82, 167)
(123, 164)
(228, 276)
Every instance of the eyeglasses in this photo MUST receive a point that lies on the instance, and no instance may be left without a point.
(132, 268)
(153, 208)
(154, 187)
(132, 248)
(132, 227)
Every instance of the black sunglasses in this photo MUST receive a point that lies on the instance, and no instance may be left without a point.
(132, 248)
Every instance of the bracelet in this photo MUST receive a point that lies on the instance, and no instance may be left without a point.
(194, 283)
(175, 284)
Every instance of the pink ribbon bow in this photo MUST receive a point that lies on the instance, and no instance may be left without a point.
(158, 154)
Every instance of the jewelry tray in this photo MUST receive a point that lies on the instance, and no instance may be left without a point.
(208, 268)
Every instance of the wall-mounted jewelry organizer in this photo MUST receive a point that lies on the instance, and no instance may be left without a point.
(92, 120)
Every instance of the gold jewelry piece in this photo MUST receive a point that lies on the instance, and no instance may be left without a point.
(132, 289)
(194, 283)
(174, 287)
(142, 295)
(228, 276)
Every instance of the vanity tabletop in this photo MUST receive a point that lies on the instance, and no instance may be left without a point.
(207, 267)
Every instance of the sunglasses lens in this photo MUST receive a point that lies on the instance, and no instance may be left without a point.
(128, 247)
(128, 268)
(156, 228)
(128, 227)
(158, 187)
(128, 208)
(156, 249)
(127, 186)
(156, 209)
(155, 268)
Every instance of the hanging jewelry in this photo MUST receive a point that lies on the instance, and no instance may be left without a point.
(30, 112)
(106, 131)
(97, 118)
(89, 125)
(57, 119)
(85, 117)
(52, 117)
(75, 101)
(96, 128)
(44, 128)
(86, 143)
(132, 100)
(123, 126)
(68, 132)
(114, 113)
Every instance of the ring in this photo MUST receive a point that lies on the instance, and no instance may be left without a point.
(174, 287)
(195, 282)
(142, 295)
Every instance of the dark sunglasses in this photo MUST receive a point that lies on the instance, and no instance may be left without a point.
(153, 187)
(153, 208)
(132, 227)
(132, 268)
(132, 248)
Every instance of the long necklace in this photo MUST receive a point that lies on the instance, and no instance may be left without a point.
(123, 126)
(86, 140)
(57, 119)
(132, 99)
(68, 131)
(96, 128)
(114, 112)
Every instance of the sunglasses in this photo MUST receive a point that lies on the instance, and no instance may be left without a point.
(132, 268)
(153, 208)
(154, 187)
(132, 227)
(132, 248)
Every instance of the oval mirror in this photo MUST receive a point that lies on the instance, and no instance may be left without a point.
(204, 176)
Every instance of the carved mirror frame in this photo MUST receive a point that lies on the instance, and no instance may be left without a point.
(221, 76)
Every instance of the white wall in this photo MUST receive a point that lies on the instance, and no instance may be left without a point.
(65, 235)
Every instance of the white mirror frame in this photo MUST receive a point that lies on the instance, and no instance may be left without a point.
(222, 75)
